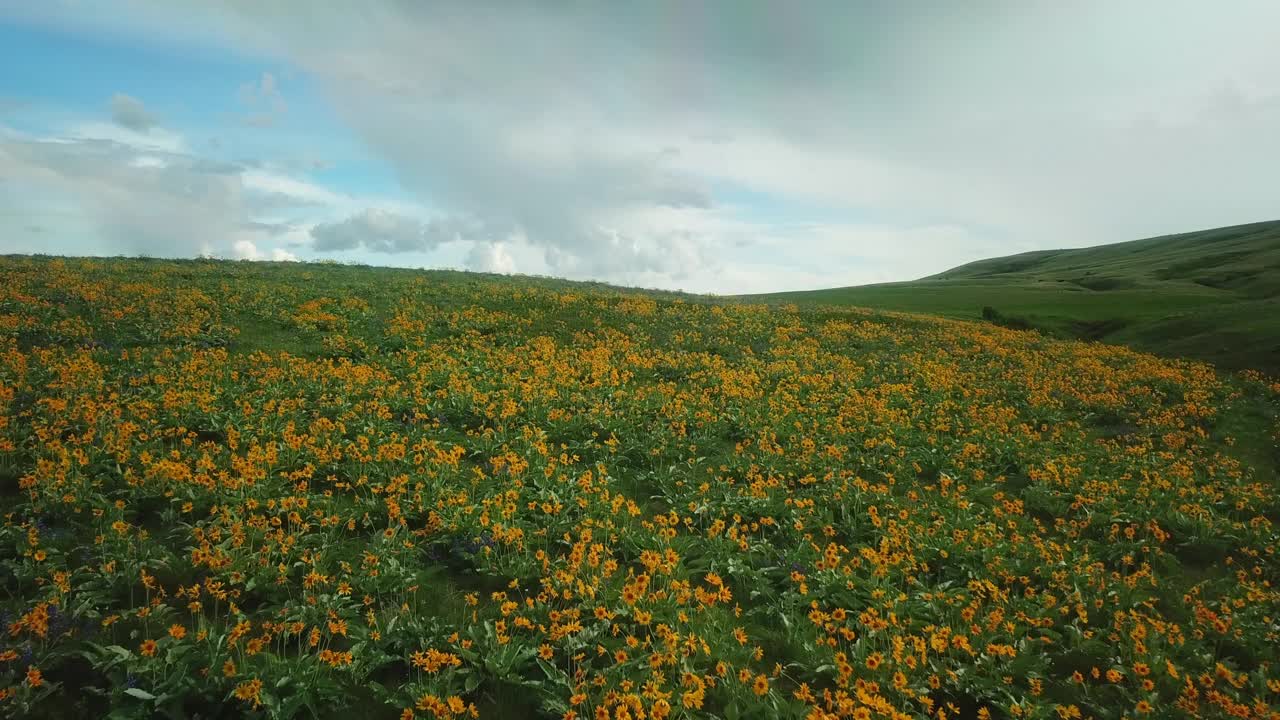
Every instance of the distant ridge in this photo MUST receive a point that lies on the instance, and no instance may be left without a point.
(1211, 295)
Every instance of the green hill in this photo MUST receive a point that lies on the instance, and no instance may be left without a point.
(1212, 295)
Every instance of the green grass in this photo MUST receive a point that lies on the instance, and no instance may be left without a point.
(1212, 295)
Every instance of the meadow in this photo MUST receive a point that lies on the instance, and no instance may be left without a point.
(286, 490)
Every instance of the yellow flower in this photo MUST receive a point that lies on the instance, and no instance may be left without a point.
(250, 691)
(761, 685)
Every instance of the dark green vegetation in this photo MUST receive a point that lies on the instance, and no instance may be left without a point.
(1212, 295)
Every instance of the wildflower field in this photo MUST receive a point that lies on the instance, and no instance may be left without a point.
(314, 490)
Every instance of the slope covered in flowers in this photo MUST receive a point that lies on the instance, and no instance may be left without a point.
(296, 490)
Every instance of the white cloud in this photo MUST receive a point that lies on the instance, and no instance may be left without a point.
(178, 206)
(289, 189)
(147, 161)
(129, 112)
(264, 100)
(389, 232)
(156, 139)
(491, 257)
(109, 197)
(378, 230)
(245, 250)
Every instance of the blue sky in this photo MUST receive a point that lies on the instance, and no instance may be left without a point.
(62, 77)
(704, 146)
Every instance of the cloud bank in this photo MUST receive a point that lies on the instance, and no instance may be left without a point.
(1015, 125)
(388, 232)
(119, 193)
(736, 147)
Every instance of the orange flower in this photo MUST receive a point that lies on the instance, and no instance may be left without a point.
(148, 648)
(874, 660)
(34, 678)
(177, 632)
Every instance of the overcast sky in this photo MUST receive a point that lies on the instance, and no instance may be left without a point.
(722, 147)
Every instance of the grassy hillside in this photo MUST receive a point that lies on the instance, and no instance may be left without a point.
(1212, 295)
(287, 490)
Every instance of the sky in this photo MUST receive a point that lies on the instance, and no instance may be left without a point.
(725, 147)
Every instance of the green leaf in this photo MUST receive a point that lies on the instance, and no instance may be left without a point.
(140, 694)
(552, 673)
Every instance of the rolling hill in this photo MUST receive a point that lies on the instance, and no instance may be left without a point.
(1211, 295)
